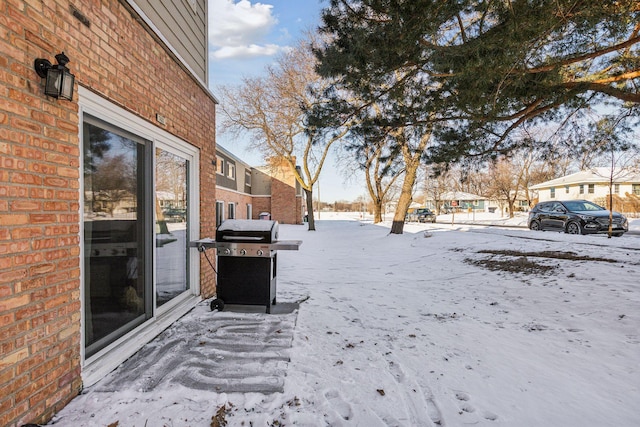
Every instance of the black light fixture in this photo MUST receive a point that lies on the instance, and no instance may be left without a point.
(59, 80)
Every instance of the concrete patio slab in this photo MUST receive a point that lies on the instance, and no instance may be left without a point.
(241, 349)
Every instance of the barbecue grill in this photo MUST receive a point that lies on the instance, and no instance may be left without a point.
(247, 261)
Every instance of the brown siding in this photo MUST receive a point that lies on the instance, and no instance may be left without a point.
(184, 28)
(40, 177)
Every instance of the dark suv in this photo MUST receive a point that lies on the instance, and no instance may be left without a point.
(576, 217)
(425, 215)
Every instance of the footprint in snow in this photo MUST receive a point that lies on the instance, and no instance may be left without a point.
(342, 408)
(466, 408)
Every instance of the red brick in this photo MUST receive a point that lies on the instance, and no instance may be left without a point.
(42, 218)
(25, 205)
(14, 247)
(12, 275)
(8, 220)
(26, 232)
(26, 178)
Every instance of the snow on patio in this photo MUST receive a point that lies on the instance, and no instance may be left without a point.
(445, 325)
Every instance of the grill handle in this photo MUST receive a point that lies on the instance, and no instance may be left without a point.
(243, 238)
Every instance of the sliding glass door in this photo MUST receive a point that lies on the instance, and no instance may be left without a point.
(137, 209)
(116, 233)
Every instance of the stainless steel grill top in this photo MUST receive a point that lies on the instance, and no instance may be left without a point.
(247, 230)
(247, 238)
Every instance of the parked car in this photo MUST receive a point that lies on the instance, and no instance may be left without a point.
(175, 215)
(576, 217)
(425, 215)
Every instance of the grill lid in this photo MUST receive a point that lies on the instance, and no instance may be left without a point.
(248, 231)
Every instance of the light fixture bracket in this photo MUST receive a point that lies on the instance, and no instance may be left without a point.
(42, 66)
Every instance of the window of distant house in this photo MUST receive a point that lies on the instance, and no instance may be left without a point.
(249, 211)
(581, 189)
(231, 173)
(232, 210)
(592, 188)
(635, 189)
(552, 192)
(566, 189)
(220, 166)
(616, 188)
(219, 213)
(247, 178)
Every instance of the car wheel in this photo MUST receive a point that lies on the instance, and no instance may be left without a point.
(574, 228)
(617, 234)
(535, 226)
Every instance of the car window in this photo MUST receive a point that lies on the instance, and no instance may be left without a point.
(588, 206)
(554, 207)
(583, 206)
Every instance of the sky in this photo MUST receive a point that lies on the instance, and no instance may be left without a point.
(444, 325)
(244, 37)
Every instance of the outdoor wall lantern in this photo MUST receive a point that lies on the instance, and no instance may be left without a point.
(59, 80)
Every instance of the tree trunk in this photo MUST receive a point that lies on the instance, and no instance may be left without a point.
(404, 201)
(311, 221)
(377, 211)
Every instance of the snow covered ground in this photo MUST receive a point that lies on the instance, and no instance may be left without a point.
(445, 325)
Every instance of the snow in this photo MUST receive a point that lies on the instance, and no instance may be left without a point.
(403, 330)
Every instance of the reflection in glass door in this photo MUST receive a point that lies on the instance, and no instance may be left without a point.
(172, 250)
(115, 287)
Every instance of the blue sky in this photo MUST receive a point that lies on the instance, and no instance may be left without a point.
(244, 37)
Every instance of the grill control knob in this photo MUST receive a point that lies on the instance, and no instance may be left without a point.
(259, 252)
(243, 251)
(226, 251)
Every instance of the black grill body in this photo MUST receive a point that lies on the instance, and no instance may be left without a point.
(247, 261)
(247, 280)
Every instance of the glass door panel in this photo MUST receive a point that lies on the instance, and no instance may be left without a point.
(172, 245)
(115, 289)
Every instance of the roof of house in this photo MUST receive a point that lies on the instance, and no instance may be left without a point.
(229, 154)
(460, 195)
(592, 176)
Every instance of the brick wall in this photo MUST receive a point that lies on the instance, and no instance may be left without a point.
(241, 201)
(284, 204)
(283, 201)
(261, 204)
(39, 181)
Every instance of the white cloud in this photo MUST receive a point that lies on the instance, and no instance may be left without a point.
(247, 51)
(239, 29)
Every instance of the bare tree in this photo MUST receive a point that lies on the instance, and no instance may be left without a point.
(613, 140)
(438, 181)
(271, 109)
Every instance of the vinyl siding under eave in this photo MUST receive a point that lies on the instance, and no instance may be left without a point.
(183, 28)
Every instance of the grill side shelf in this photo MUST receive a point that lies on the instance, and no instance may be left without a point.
(286, 245)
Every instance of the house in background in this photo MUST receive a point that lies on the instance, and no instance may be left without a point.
(90, 270)
(245, 192)
(457, 201)
(594, 185)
